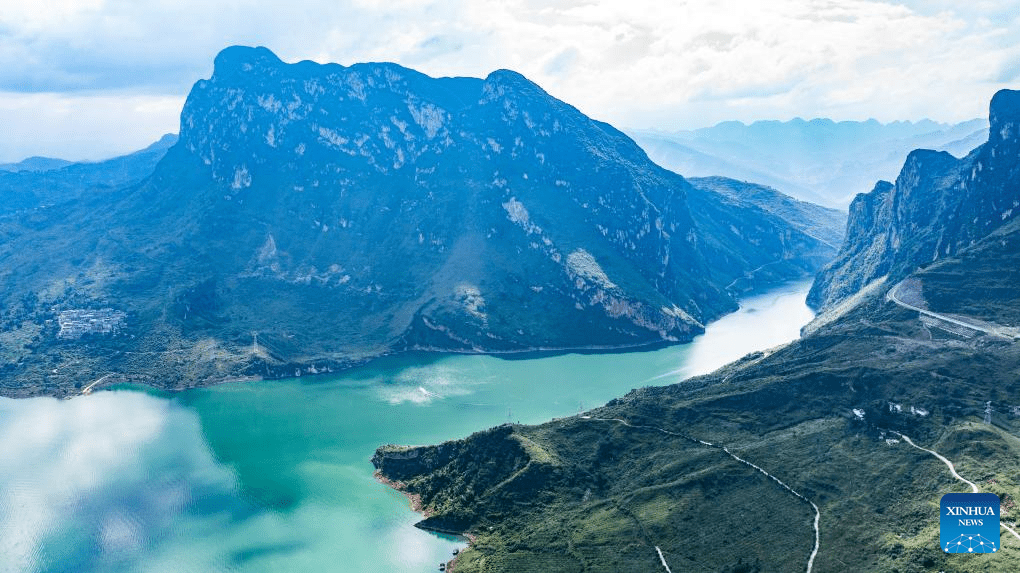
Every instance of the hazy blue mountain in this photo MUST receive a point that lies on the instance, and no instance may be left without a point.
(35, 164)
(938, 206)
(819, 441)
(311, 216)
(57, 181)
(822, 223)
(772, 236)
(820, 160)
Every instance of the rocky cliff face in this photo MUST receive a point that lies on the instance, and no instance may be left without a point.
(938, 206)
(310, 215)
(482, 214)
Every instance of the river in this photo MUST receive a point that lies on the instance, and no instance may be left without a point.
(275, 475)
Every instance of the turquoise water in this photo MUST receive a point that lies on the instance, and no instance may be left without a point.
(275, 476)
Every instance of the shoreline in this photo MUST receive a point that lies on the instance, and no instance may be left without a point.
(417, 507)
(335, 366)
(413, 498)
(451, 564)
(341, 368)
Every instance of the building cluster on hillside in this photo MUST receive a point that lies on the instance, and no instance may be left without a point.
(76, 323)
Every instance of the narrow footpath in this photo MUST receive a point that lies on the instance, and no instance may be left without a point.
(818, 515)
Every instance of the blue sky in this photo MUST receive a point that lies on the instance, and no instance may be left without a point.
(92, 78)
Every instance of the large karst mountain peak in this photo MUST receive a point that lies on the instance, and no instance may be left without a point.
(343, 212)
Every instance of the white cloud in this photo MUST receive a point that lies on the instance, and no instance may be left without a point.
(83, 126)
(643, 63)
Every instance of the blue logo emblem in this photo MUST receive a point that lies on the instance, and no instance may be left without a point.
(969, 523)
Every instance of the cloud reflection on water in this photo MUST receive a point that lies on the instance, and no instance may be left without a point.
(98, 483)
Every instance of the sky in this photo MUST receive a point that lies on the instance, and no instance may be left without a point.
(88, 79)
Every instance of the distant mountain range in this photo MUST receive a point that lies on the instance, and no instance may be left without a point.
(39, 181)
(820, 160)
(35, 164)
(312, 216)
(815, 456)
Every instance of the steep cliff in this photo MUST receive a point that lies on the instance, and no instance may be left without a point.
(938, 206)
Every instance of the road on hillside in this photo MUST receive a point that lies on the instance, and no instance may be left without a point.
(980, 326)
(88, 389)
(952, 470)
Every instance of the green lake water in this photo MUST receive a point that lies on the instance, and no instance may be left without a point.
(275, 475)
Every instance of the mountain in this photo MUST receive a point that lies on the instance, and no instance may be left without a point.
(313, 216)
(816, 455)
(820, 160)
(41, 181)
(823, 223)
(771, 235)
(938, 206)
(35, 164)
